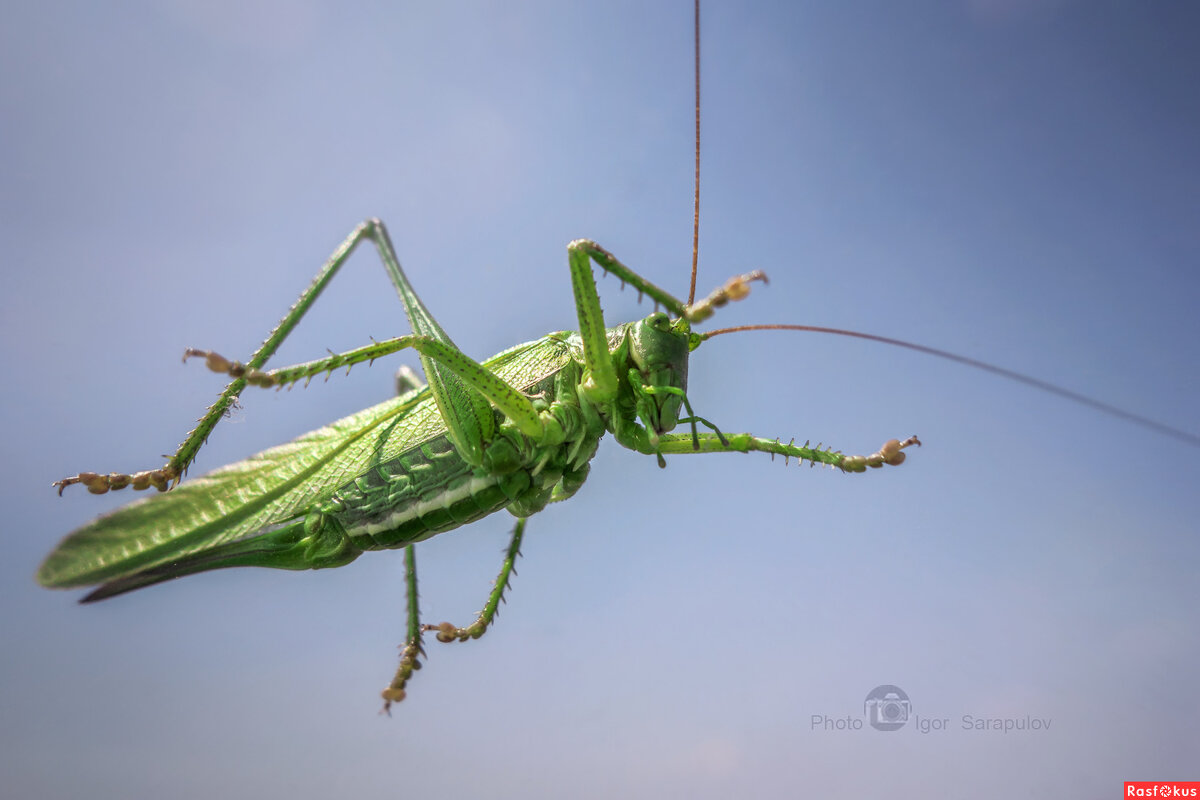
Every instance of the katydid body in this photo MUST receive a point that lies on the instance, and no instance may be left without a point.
(515, 432)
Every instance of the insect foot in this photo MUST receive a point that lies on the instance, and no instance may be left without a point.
(448, 632)
(160, 479)
(736, 288)
(234, 369)
(410, 655)
(891, 453)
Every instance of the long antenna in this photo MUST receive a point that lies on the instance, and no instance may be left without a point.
(696, 182)
(1019, 377)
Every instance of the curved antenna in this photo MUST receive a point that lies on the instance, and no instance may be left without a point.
(696, 181)
(1019, 377)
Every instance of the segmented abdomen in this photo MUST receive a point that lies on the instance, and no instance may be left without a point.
(427, 490)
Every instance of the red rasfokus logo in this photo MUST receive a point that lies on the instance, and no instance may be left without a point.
(1162, 789)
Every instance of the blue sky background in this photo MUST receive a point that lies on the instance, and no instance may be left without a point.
(1009, 179)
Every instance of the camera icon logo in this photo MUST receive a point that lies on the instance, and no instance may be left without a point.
(887, 707)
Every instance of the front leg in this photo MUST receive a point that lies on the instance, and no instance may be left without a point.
(601, 385)
(890, 454)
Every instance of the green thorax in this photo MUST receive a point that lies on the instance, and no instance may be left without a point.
(427, 488)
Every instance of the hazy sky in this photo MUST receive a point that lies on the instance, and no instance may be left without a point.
(1008, 179)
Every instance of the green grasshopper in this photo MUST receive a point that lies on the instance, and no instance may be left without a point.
(515, 432)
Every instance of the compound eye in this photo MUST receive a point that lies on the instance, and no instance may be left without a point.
(659, 321)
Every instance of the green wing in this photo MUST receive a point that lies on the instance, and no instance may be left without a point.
(271, 488)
